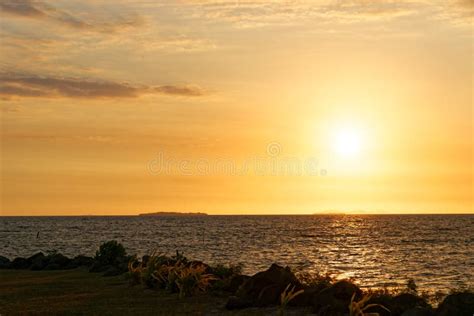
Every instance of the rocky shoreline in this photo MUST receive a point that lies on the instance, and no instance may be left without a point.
(276, 286)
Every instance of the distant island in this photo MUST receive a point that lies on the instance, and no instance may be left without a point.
(173, 214)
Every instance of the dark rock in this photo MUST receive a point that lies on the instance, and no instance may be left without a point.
(35, 256)
(235, 302)
(19, 263)
(81, 261)
(406, 301)
(53, 266)
(304, 299)
(38, 261)
(459, 304)
(236, 281)
(59, 260)
(418, 311)
(4, 262)
(269, 295)
(264, 288)
(335, 299)
(380, 300)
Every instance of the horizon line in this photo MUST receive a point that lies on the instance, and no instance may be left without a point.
(243, 214)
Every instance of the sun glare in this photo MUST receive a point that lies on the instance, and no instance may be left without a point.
(347, 142)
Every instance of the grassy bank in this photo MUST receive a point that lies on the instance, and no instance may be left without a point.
(79, 292)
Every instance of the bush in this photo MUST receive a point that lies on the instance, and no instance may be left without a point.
(315, 280)
(226, 272)
(110, 253)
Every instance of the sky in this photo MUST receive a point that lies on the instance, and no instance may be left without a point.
(236, 107)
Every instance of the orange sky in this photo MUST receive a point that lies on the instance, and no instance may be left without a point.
(236, 106)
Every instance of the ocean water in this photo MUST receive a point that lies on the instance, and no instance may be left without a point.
(437, 251)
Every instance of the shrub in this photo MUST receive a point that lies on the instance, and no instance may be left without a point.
(193, 279)
(110, 253)
(174, 274)
(315, 280)
(226, 272)
(134, 270)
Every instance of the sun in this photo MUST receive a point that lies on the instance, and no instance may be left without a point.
(347, 142)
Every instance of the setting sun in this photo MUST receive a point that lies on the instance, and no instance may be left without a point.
(347, 142)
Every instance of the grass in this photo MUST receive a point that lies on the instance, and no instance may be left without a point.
(76, 292)
(286, 296)
(358, 308)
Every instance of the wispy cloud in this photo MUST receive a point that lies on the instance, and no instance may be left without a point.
(259, 13)
(263, 13)
(43, 11)
(28, 86)
(180, 90)
(21, 8)
(459, 12)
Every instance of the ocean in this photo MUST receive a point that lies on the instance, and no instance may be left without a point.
(437, 251)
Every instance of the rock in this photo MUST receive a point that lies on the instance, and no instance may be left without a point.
(35, 256)
(304, 299)
(406, 301)
(264, 288)
(459, 304)
(236, 281)
(81, 261)
(19, 263)
(235, 302)
(335, 299)
(269, 295)
(38, 261)
(53, 266)
(418, 311)
(4, 262)
(383, 300)
(59, 260)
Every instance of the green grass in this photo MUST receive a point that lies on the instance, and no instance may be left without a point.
(76, 292)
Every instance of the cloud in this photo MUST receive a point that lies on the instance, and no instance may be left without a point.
(466, 3)
(41, 10)
(259, 13)
(460, 12)
(21, 8)
(368, 9)
(28, 86)
(180, 90)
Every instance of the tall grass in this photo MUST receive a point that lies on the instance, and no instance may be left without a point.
(287, 296)
(358, 308)
(176, 274)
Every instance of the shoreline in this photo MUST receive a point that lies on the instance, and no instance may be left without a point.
(241, 292)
